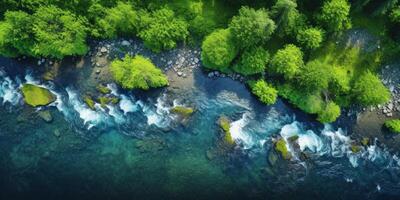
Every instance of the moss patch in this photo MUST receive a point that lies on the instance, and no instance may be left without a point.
(89, 102)
(183, 111)
(355, 148)
(280, 147)
(102, 89)
(37, 96)
(224, 124)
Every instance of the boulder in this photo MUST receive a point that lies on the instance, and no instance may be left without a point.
(37, 96)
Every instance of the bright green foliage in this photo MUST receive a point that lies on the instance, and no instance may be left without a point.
(58, 33)
(89, 102)
(218, 50)
(335, 15)
(310, 38)
(395, 15)
(251, 27)
(37, 96)
(265, 92)
(287, 17)
(287, 61)
(252, 61)
(340, 82)
(393, 125)
(161, 29)
(369, 90)
(16, 34)
(309, 103)
(119, 20)
(315, 76)
(330, 113)
(137, 73)
(280, 147)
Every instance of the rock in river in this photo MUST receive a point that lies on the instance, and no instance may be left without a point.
(37, 96)
(45, 115)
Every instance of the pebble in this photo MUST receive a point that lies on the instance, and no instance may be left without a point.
(103, 50)
(98, 71)
(125, 43)
(180, 73)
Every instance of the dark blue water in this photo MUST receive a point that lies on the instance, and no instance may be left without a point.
(137, 149)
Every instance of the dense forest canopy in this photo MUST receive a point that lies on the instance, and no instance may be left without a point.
(285, 47)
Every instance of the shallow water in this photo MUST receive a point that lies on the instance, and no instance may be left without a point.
(137, 149)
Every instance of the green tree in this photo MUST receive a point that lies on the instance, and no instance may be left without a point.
(58, 33)
(310, 38)
(330, 113)
(335, 15)
(137, 73)
(287, 17)
(252, 61)
(395, 15)
(119, 20)
(201, 26)
(287, 61)
(251, 27)
(264, 91)
(161, 29)
(16, 34)
(369, 90)
(315, 76)
(218, 50)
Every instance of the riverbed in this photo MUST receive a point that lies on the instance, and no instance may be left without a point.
(137, 149)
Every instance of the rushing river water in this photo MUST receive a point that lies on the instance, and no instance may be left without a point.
(138, 150)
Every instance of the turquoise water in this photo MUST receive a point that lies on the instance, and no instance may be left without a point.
(138, 150)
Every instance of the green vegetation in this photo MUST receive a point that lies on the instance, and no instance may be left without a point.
(335, 15)
(102, 89)
(329, 113)
(37, 96)
(251, 27)
(280, 147)
(287, 61)
(369, 90)
(219, 50)
(264, 91)
(310, 38)
(252, 61)
(89, 102)
(315, 76)
(393, 125)
(137, 73)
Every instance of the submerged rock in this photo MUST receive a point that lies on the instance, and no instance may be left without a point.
(37, 96)
(182, 111)
(280, 147)
(45, 115)
(224, 124)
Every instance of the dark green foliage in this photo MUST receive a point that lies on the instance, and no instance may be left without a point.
(218, 50)
(161, 29)
(137, 73)
(202, 26)
(315, 76)
(309, 103)
(393, 125)
(369, 90)
(395, 15)
(288, 19)
(287, 61)
(330, 113)
(16, 34)
(264, 91)
(251, 27)
(119, 20)
(310, 38)
(252, 61)
(58, 33)
(335, 15)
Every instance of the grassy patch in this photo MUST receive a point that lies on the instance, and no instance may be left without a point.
(37, 96)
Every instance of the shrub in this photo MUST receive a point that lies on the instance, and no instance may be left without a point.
(330, 113)
(252, 61)
(265, 92)
(393, 125)
(311, 103)
(310, 38)
(218, 50)
(368, 90)
(288, 19)
(161, 30)
(251, 27)
(201, 26)
(287, 61)
(315, 76)
(395, 15)
(137, 73)
(335, 15)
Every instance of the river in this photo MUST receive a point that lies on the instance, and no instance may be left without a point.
(138, 149)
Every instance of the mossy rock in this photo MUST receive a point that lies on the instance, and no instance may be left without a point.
(102, 89)
(365, 141)
(104, 101)
(355, 148)
(45, 115)
(280, 147)
(224, 124)
(114, 100)
(37, 96)
(182, 111)
(89, 102)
